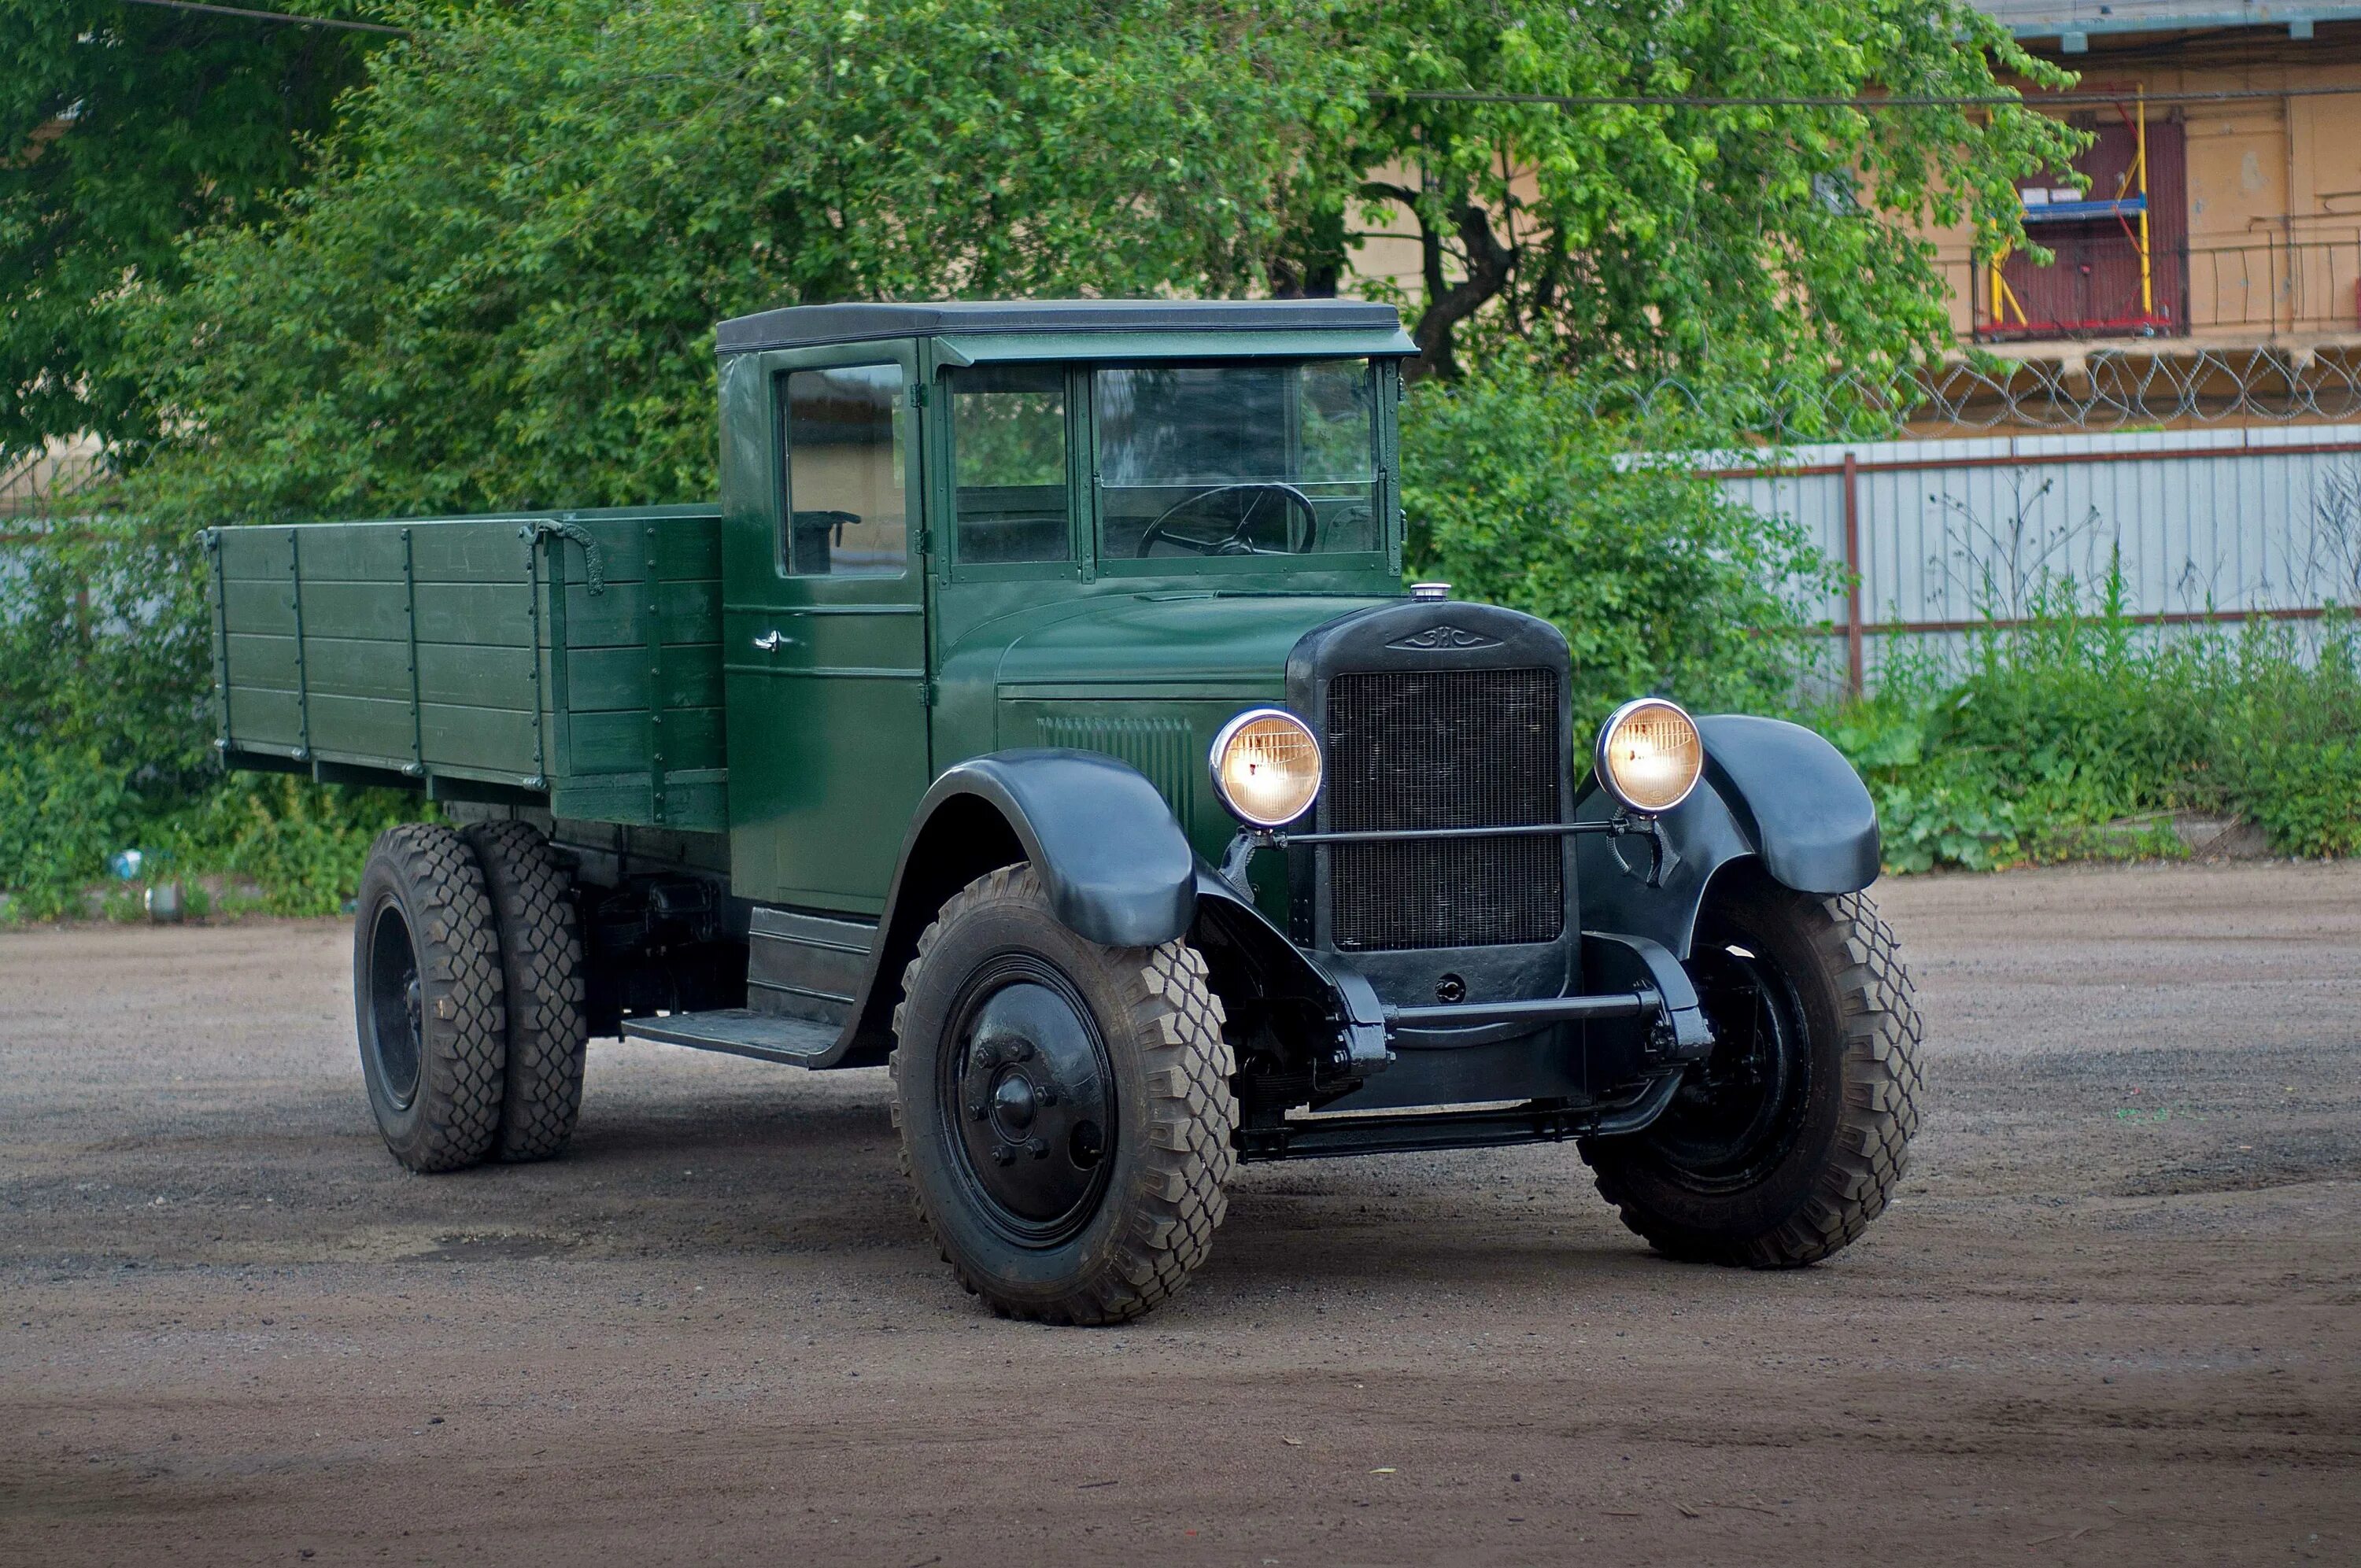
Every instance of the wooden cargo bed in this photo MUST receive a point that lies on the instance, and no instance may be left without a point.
(569, 659)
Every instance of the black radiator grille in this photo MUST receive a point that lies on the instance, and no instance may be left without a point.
(1444, 748)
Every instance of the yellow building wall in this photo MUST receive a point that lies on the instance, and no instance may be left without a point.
(2274, 185)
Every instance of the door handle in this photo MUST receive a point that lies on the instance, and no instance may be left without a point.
(772, 641)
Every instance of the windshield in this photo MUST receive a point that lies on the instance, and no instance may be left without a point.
(1262, 459)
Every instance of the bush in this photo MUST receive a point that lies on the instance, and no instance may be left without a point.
(1519, 495)
(108, 744)
(2080, 720)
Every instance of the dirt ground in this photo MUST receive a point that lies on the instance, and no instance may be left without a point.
(2114, 1315)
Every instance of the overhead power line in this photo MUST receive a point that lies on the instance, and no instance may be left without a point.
(1890, 100)
(282, 18)
(1566, 100)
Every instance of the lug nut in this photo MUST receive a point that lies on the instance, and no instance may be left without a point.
(1021, 1051)
(1003, 1154)
(1040, 1148)
(975, 1111)
(1046, 1094)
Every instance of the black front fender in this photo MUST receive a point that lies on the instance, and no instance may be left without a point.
(1117, 868)
(1115, 865)
(1773, 791)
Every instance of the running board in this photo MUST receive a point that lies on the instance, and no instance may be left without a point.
(766, 1037)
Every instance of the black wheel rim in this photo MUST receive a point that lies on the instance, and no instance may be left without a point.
(396, 1008)
(1736, 1117)
(1023, 1092)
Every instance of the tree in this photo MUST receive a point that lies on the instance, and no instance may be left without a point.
(1518, 494)
(122, 129)
(1647, 239)
(502, 290)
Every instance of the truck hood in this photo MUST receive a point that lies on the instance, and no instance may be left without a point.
(1231, 641)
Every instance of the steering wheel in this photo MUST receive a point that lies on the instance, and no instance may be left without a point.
(1235, 543)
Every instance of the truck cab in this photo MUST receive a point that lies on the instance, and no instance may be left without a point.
(955, 530)
(1089, 765)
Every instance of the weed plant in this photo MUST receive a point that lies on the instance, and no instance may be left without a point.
(2076, 718)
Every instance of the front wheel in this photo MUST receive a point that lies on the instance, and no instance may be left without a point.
(1064, 1107)
(1781, 1148)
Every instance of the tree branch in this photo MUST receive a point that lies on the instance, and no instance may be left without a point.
(1489, 262)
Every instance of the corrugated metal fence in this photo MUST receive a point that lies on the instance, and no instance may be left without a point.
(1944, 536)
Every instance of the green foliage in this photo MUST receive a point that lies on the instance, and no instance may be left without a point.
(300, 846)
(103, 648)
(303, 845)
(1760, 242)
(2303, 796)
(2061, 728)
(122, 129)
(502, 291)
(1517, 496)
(106, 744)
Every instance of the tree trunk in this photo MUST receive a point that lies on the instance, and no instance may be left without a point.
(1489, 264)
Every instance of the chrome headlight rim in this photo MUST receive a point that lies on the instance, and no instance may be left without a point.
(1605, 774)
(1220, 750)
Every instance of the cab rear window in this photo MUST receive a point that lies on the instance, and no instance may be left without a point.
(1008, 463)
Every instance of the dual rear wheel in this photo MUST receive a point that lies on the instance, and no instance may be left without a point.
(467, 985)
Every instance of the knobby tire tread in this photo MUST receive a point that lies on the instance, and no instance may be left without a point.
(451, 926)
(540, 955)
(1183, 1197)
(1881, 1084)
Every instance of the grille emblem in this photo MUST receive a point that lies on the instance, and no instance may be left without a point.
(1435, 638)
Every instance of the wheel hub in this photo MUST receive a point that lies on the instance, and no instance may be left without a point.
(1030, 1075)
(1014, 1101)
(397, 1009)
(1736, 1114)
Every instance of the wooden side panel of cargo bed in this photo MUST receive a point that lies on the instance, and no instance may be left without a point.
(574, 656)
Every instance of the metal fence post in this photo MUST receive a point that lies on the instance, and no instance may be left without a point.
(1853, 575)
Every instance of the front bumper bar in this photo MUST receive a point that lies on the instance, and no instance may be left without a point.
(1537, 1121)
(1680, 1034)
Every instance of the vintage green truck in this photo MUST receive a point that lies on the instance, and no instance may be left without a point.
(1040, 713)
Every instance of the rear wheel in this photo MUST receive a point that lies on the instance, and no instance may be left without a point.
(1065, 1108)
(428, 998)
(1781, 1147)
(541, 961)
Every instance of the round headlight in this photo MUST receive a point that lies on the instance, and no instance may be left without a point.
(1649, 754)
(1266, 767)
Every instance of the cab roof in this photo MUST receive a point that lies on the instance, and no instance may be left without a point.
(801, 326)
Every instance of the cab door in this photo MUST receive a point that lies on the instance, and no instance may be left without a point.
(824, 621)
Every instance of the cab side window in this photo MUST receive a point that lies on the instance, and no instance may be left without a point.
(1008, 441)
(847, 505)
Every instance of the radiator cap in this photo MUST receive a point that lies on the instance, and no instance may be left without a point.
(1432, 592)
